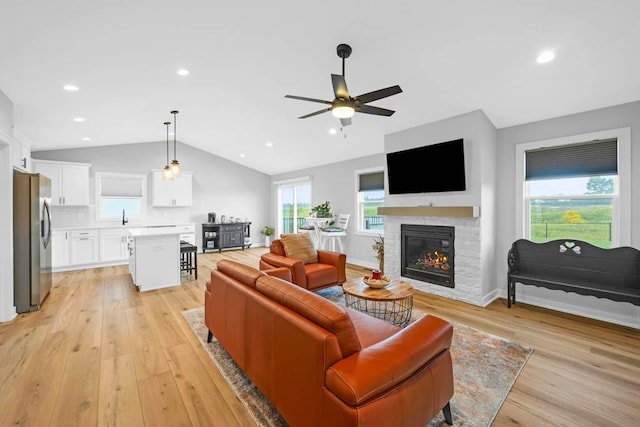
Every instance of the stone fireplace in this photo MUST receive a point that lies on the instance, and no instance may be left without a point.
(427, 253)
(471, 277)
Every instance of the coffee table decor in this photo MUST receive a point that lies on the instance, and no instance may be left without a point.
(392, 302)
(376, 283)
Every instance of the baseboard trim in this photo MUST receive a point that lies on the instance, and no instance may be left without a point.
(591, 313)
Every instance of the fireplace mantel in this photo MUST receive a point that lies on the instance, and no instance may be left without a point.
(442, 211)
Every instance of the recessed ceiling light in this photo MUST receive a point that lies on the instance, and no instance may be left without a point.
(269, 144)
(183, 72)
(86, 138)
(70, 88)
(242, 155)
(333, 131)
(544, 57)
(78, 119)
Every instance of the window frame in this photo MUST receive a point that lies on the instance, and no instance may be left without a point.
(621, 233)
(359, 204)
(98, 184)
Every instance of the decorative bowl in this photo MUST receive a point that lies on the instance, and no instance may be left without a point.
(376, 283)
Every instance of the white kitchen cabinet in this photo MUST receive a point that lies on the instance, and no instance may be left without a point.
(60, 248)
(69, 181)
(113, 244)
(84, 247)
(175, 192)
(155, 258)
(21, 155)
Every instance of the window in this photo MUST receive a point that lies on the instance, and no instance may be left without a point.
(370, 198)
(294, 204)
(120, 192)
(576, 189)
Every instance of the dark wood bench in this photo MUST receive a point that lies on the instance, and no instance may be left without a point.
(575, 266)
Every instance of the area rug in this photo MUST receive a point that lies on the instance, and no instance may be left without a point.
(485, 367)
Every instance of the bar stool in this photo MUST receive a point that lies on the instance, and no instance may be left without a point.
(188, 258)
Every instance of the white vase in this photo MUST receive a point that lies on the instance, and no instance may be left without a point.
(267, 241)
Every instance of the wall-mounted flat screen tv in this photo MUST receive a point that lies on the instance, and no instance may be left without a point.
(433, 168)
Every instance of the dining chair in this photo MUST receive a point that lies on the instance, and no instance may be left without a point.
(335, 233)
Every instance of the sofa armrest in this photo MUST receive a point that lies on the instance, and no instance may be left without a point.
(336, 259)
(298, 274)
(281, 272)
(382, 366)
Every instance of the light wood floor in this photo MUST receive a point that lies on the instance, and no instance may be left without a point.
(101, 353)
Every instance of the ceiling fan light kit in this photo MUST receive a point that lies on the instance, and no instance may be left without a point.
(343, 105)
(343, 112)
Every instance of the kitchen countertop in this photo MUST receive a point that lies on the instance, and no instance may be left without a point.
(153, 231)
(125, 227)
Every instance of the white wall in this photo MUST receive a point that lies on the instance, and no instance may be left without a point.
(7, 309)
(219, 185)
(620, 116)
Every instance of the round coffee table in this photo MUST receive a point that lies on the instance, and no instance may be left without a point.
(392, 303)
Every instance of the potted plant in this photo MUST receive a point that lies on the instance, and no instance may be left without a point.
(267, 232)
(378, 246)
(323, 210)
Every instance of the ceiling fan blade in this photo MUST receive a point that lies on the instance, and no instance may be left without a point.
(345, 122)
(303, 98)
(315, 113)
(378, 94)
(369, 109)
(339, 86)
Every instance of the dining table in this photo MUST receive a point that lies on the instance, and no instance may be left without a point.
(318, 224)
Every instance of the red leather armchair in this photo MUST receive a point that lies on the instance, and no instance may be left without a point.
(330, 270)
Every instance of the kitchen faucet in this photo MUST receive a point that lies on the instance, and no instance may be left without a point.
(124, 221)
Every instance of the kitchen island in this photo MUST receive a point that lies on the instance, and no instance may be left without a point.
(154, 257)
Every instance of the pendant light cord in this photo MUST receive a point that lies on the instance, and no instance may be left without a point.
(174, 112)
(167, 125)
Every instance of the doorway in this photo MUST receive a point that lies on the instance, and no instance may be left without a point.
(294, 205)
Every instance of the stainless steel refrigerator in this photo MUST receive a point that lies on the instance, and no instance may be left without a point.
(31, 240)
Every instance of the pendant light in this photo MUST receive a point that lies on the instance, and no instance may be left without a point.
(167, 174)
(176, 169)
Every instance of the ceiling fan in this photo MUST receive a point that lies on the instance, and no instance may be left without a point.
(345, 106)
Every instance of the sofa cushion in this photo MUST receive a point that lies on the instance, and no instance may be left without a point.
(319, 310)
(241, 272)
(299, 246)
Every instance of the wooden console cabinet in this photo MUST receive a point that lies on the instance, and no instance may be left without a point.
(222, 236)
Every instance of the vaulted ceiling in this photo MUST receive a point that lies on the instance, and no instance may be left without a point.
(449, 57)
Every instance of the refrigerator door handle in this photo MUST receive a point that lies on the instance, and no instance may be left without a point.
(45, 227)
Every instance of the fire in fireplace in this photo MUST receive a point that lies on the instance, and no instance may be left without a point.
(427, 253)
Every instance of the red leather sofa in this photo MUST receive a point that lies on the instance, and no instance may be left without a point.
(321, 364)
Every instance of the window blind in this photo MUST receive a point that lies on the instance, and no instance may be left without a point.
(117, 186)
(571, 161)
(371, 181)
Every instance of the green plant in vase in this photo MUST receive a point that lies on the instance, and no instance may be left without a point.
(322, 210)
(267, 232)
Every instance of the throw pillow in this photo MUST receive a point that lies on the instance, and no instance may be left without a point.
(299, 246)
